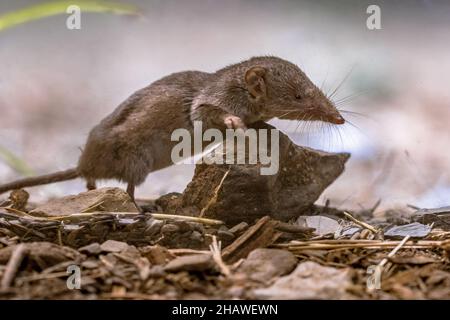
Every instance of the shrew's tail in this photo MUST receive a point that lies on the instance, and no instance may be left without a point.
(39, 180)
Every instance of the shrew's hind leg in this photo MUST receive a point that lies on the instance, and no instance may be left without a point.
(130, 191)
(90, 184)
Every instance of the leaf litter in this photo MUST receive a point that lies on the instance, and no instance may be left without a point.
(155, 255)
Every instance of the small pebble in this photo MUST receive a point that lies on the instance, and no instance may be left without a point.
(225, 235)
(93, 248)
(196, 236)
(240, 227)
(113, 246)
(90, 264)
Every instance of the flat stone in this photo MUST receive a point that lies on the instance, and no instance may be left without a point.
(93, 249)
(90, 264)
(197, 236)
(350, 231)
(194, 262)
(113, 246)
(225, 235)
(322, 225)
(239, 228)
(414, 230)
(246, 195)
(104, 199)
(309, 280)
(265, 264)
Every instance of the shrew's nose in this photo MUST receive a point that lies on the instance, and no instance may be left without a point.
(337, 119)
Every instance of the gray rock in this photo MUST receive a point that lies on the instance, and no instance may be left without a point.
(93, 249)
(239, 228)
(246, 195)
(309, 280)
(414, 230)
(350, 231)
(266, 264)
(197, 236)
(322, 224)
(90, 264)
(225, 235)
(440, 217)
(113, 246)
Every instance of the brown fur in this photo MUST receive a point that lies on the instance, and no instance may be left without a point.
(134, 139)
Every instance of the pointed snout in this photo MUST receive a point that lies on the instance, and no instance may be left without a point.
(336, 119)
(333, 115)
(329, 111)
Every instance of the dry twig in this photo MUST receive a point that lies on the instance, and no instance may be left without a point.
(361, 223)
(216, 250)
(13, 266)
(393, 252)
(163, 216)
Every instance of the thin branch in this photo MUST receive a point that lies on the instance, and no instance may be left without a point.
(13, 266)
(361, 223)
(393, 252)
(216, 250)
(163, 216)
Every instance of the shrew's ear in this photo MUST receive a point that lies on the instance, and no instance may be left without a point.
(256, 83)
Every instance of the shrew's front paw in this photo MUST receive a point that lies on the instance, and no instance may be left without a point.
(234, 122)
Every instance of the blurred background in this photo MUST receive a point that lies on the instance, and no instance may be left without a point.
(56, 84)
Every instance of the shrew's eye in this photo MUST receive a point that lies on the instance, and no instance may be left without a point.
(298, 96)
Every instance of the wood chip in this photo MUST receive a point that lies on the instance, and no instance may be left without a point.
(260, 235)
